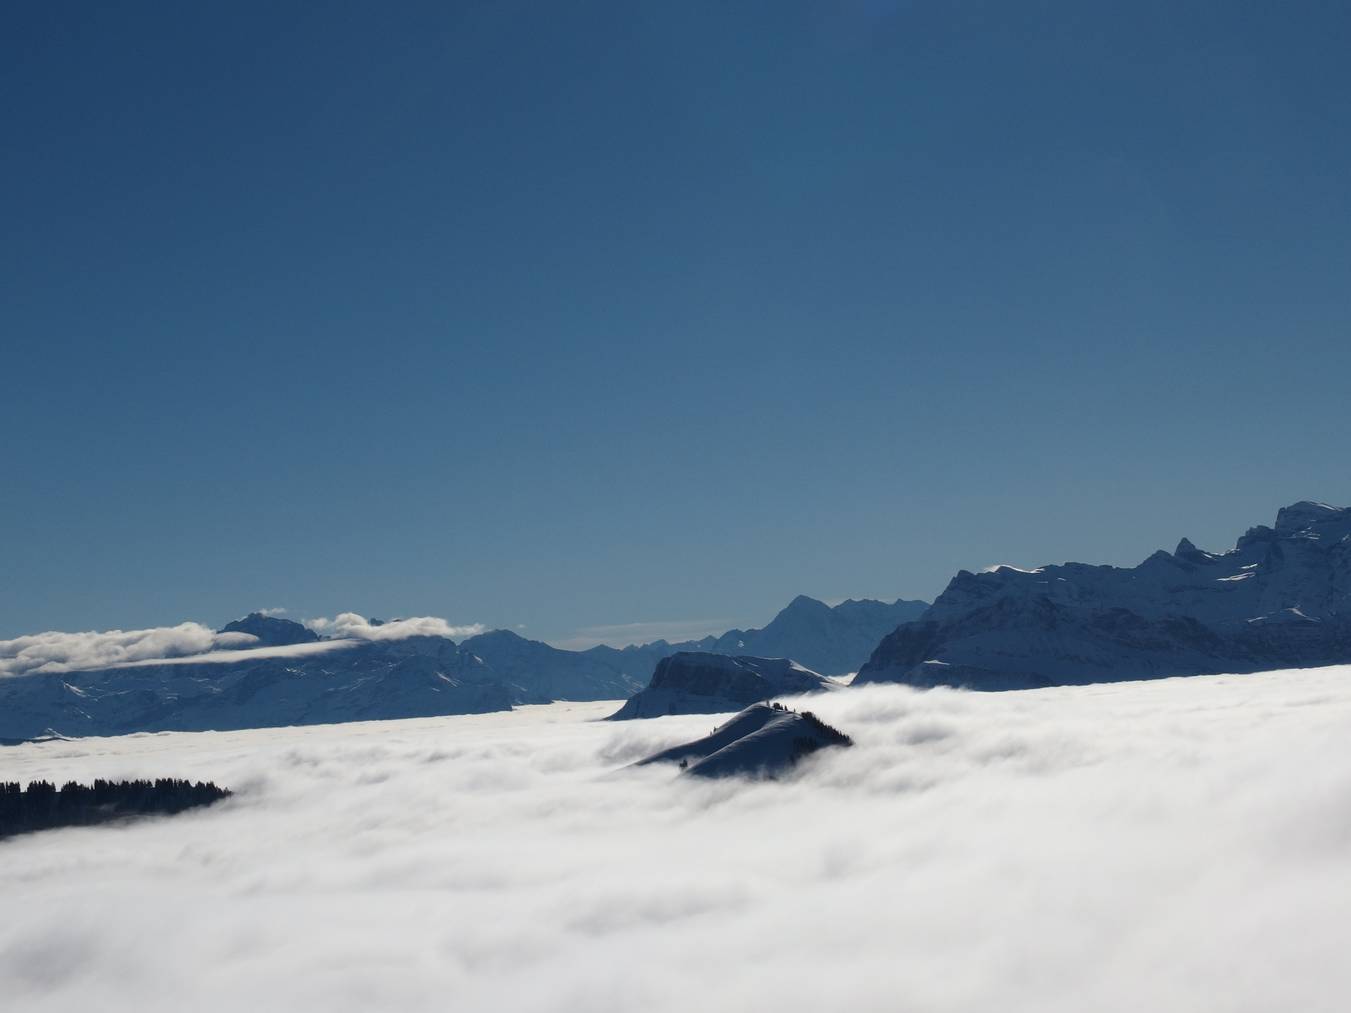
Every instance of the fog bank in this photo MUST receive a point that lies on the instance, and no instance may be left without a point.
(1175, 845)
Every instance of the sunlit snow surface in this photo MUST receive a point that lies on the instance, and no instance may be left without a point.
(1180, 845)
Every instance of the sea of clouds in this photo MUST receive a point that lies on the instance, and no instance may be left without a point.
(1180, 845)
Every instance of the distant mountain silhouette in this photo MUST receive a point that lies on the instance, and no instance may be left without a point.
(832, 640)
(538, 672)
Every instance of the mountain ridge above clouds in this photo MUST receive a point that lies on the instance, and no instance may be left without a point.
(266, 671)
(1281, 598)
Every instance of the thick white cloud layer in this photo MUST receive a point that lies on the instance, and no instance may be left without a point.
(54, 651)
(1166, 846)
(349, 625)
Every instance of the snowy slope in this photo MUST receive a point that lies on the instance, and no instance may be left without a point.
(832, 640)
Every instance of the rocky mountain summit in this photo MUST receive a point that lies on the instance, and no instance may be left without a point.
(764, 740)
(1281, 598)
(693, 682)
(269, 631)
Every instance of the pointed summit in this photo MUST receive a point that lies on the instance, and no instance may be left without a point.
(802, 603)
(1186, 550)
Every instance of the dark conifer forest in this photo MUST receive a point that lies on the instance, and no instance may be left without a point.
(42, 806)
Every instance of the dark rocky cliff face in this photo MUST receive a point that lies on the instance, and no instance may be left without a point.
(1281, 598)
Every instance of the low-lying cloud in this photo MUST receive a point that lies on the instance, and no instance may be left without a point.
(351, 626)
(54, 651)
(1172, 846)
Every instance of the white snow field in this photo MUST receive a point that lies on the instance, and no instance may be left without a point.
(1180, 845)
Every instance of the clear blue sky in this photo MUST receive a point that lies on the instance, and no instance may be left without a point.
(569, 315)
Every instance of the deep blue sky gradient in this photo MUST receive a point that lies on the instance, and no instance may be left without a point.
(575, 314)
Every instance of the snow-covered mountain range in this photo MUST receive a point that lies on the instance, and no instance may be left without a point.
(263, 671)
(1281, 598)
(311, 682)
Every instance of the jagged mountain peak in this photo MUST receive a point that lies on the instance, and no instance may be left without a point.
(1175, 614)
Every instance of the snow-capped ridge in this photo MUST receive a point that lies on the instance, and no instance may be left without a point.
(1280, 598)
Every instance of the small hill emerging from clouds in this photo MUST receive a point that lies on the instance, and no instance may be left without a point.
(694, 682)
(764, 740)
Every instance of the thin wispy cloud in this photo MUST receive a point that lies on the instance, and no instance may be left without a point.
(249, 654)
(350, 625)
